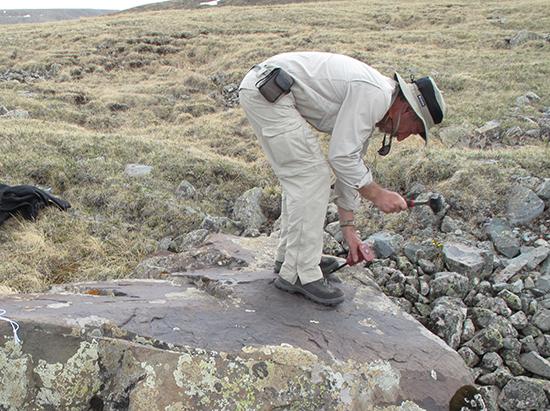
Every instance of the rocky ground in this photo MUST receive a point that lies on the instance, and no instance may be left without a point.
(205, 329)
(483, 290)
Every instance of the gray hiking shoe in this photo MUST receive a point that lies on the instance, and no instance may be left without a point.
(327, 265)
(319, 291)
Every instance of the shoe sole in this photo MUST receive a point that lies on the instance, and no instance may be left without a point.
(327, 271)
(291, 288)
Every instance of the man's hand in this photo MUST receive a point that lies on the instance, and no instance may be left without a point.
(358, 250)
(385, 200)
(354, 243)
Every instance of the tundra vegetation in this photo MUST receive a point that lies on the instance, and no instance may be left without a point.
(157, 88)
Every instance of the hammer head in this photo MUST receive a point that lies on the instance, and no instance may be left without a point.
(436, 203)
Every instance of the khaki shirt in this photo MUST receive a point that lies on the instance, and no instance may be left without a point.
(344, 97)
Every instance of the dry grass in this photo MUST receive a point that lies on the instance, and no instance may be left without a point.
(164, 68)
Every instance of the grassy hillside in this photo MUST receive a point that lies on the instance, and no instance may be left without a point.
(45, 15)
(149, 88)
(194, 4)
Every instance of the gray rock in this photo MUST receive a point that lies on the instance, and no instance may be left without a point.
(543, 283)
(449, 225)
(221, 224)
(528, 344)
(397, 277)
(330, 245)
(3, 110)
(533, 133)
(544, 125)
(424, 287)
(512, 300)
(137, 170)
(523, 36)
(519, 320)
(188, 241)
(468, 330)
(523, 393)
(536, 364)
(334, 230)
(531, 308)
(402, 303)
(512, 344)
(481, 317)
(503, 238)
(526, 99)
(530, 259)
(449, 284)
(529, 283)
(485, 287)
(499, 306)
(332, 213)
(490, 395)
(531, 330)
(469, 357)
(499, 378)
(455, 136)
(423, 309)
(404, 265)
(517, 286)
(491, 361)
(543, 191)
(164, 243)
(542, 320)
(490, 131)
(18, 113)
(467, 260)
(386, 244)
(413, 252)
(248, 211)
(545, 303)
(511, 359)
(447, 318)
(543, 345)
(395, 289)
(486, 340)
(513, 136)
(416, 251)
(410, 293)
(523, 205)
(476, 373)
(180, 344)
(186, 191)
(118, 107)
(504, 326)
(427, 266)
(381, 274)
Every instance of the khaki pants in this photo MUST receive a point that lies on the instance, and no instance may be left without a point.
(294, 153)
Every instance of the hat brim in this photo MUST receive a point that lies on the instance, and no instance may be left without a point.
(409, 96)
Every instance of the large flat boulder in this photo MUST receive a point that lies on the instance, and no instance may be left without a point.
(221, 339)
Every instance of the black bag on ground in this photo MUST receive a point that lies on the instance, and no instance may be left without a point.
(26, 201)
(275, 84)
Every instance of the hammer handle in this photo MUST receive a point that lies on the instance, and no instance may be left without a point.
(412, 202)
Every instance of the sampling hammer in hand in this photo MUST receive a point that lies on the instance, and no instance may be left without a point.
(366, 253)
(435, 202)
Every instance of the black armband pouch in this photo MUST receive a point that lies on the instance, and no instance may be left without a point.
(277, 83)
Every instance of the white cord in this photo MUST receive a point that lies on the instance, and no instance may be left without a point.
(14, 326)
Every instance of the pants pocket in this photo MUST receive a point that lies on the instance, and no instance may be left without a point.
(287, 143)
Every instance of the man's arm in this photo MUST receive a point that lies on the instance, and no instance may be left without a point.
(385, 200)
(347, 225)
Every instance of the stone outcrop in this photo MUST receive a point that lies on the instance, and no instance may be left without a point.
(220, 338)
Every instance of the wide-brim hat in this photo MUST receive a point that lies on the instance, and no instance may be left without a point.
(426, 100)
